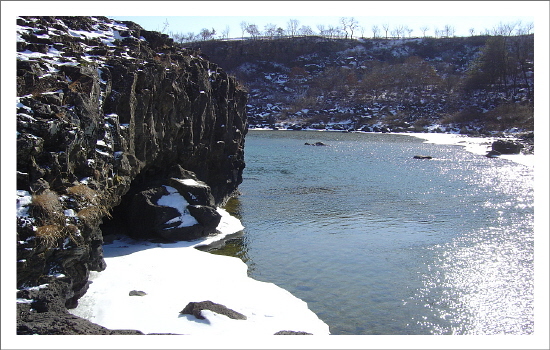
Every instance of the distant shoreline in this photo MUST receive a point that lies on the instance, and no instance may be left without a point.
(474, 144)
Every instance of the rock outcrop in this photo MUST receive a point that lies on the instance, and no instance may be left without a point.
(105, 111)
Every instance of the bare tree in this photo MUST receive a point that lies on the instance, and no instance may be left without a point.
(448, 31)
(386, 27)
(349, 25)
(424, 29)
(322, 30)
(190, 37)
(225, 32)
(472, 31)
(292, 26)
(165, 26)
(331, 31)
(244, 25)
(344, 22)
(529, 27)
(408, 30)
(207, 34)
(253, 30)
(178, 37)
(270, 30)
(375, 31)
(362, 30)
(352, 25)
(306, 30)
(524, 29)
(398, 32)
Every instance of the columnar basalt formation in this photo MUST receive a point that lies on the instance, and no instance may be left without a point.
(106, 110)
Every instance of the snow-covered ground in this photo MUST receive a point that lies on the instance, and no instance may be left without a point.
(175, 274)
(476, 145)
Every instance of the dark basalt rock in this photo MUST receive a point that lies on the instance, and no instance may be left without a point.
(506, 147)
(137, 293)
(148, 217)
(99, 124)
(292, 333)
(195, 308)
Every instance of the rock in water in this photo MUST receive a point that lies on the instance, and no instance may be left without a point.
(195, 308)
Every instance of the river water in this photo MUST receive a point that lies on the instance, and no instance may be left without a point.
(377, 242)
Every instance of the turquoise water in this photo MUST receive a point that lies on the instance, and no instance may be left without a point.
(377, 242)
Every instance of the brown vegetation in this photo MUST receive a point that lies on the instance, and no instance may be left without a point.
(47, 208)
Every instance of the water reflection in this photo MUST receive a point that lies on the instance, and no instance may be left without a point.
(379, 243)
(237, 246)
(483, 283)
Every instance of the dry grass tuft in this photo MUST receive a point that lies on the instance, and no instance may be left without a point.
(511, 115)
(49, 235)
(83, 194)
(93, 213)
(47, 208)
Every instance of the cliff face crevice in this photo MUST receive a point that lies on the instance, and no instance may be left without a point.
(103, 108)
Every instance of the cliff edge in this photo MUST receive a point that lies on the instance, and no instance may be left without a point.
(108, 112)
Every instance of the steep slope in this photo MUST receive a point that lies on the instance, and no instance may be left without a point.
(479, 83)
(106, 110)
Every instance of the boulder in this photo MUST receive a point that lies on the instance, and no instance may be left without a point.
(207, 216)
(149, 218)
(194, 191)
(292, 333)
(195, 308)
(138, 293)
(506, 146)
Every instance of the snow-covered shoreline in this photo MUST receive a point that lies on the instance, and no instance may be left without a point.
(476, 145)
(174, 274)
(473, 144)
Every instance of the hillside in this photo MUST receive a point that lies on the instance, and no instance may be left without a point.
(477, 84)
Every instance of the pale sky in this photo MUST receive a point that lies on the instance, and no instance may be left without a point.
(186, 24)
(192, 16)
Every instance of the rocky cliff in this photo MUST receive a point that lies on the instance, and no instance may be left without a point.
(110, 116)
